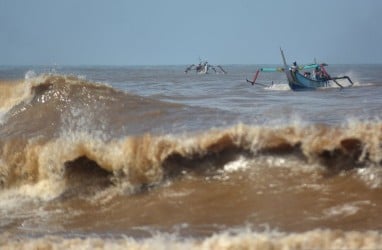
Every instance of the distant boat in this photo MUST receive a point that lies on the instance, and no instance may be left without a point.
(204, 67)
(306, 81)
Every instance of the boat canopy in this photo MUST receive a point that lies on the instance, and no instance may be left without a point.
(302, 67)
(272, 69)
(313, 66)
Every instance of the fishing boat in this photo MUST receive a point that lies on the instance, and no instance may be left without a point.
(298, 81)
(204, 68)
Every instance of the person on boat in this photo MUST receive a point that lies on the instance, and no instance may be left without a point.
(317, 73)
(294, 67)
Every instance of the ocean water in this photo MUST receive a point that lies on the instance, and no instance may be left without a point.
(148, 157)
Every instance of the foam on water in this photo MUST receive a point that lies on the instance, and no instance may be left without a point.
(246, 239)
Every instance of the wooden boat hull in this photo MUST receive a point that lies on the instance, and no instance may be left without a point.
(299, 82)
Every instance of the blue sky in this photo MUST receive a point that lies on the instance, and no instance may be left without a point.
(169, 32)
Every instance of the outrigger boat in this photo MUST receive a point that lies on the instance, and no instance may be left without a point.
(204, 67)
(306, 81)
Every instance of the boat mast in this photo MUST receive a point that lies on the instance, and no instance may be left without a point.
(286, 68)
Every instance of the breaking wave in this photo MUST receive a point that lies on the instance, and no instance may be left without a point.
(58, 127)
(316, 239)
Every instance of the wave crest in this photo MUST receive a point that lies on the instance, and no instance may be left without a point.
(148, 160)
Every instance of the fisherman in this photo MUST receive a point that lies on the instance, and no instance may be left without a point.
(294, 67)
(317, 74)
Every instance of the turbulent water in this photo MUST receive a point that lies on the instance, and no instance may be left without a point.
(153, 158)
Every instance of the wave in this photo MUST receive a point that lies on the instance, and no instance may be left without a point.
(53, 103)
(67, 131)
(316, 239)
(74, 159)
(12, 93)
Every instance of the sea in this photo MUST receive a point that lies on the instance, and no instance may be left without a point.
(151, 157)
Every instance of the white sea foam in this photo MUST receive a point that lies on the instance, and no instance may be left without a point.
(30, 74)
(247, 239)
(279, 87)
(240, 164)
(344, 210)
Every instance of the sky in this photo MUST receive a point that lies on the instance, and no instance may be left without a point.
(179, 32)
